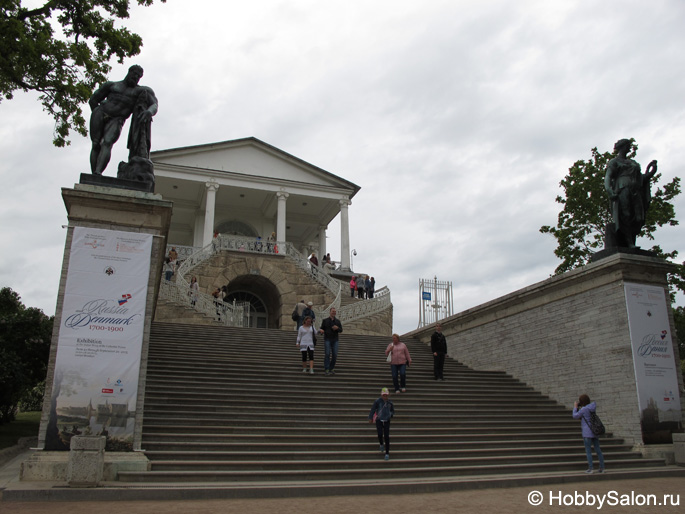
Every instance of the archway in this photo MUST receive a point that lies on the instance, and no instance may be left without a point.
(263, 297)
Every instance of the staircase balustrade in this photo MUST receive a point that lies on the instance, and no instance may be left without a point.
(234, 314)
(192, 257)
(364, 308)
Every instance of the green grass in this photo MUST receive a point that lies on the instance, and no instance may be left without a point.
(26, 425)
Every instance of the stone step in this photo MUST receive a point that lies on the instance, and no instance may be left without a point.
(394, 468)
(270, 446)
(321, 451)
(573, 460)
(232, 405)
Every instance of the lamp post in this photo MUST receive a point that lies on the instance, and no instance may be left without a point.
(352, 254)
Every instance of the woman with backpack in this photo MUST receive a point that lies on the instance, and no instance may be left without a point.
(584, 410)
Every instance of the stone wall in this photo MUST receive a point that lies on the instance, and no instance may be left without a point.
(281, 284)
(564, 336)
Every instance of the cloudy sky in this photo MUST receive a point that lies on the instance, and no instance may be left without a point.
(457, 118)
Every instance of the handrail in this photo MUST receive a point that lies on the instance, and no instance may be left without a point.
(234, 315)
(363, 308)
(378, 303)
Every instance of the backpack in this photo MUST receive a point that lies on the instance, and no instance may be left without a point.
(595, 424)
(295, 316)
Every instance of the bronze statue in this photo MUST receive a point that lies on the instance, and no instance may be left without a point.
(111, 106)
(629, 192)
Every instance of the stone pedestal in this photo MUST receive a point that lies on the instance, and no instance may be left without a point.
(566, 336)
(86, 461)
(110, 208)
(679, 449)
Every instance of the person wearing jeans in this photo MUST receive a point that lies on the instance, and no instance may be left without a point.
(330, 328)
(398, 363)
(581, 410)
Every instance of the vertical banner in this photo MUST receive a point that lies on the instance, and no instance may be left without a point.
(100, 340)
(654, 361)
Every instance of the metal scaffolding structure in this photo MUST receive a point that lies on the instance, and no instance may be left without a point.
(435, 301)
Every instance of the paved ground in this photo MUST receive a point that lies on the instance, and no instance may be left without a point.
(490, 501)
(632, 493)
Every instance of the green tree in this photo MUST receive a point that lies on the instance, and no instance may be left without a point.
(62, 50)
(581, 223)
(25, 334)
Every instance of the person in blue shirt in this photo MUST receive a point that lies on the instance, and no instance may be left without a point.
(581, 410)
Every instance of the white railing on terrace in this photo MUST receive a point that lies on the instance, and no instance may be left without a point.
(236, 314)
(193, 256)
(363, 308)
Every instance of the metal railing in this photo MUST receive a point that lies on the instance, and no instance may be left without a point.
(364, 308)
(236, 314)
(190, 257)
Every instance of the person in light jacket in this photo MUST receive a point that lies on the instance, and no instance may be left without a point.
(581, 410)
(398, 363)
(382, 412)
(306, 341)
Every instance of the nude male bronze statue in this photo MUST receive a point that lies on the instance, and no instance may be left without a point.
(111, 106)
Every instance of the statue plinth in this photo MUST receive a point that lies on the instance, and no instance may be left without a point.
(117, 183)
(609, 251)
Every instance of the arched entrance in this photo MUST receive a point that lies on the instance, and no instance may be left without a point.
(263, 297)
(259, 315)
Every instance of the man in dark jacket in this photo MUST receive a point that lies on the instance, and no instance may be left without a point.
(439, 349)
(330, 328)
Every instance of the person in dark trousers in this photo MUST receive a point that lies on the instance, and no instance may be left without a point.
(439, 349)
(581, 410)
(382, 412)
(330, 328)
(308, 311)
(399, 361)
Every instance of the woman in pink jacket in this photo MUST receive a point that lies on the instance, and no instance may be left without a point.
(398, 363)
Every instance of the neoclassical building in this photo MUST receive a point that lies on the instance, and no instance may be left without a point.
(246, 216)
(250, 188)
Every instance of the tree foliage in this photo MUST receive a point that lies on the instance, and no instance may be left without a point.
(581, 223)
(25, 334)
(62, 50)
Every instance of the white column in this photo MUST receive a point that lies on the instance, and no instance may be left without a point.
(322, 243)
(280, 216)
(210, 203)
(344, 234)
(198, 228)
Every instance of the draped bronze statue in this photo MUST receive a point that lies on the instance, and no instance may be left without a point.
(629, 192)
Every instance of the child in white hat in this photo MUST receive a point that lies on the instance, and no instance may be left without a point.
(382, 412)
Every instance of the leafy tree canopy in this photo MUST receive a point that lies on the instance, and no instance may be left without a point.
(25, 334)
(62, 50)
(581, 223)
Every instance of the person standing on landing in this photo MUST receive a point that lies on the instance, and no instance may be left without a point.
(300, 306)
(439, 349)
(581, 410)
(305, 340)
(398, 363)
(330, 328)
(382, 411)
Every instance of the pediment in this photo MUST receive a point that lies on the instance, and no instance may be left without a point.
(250, 157)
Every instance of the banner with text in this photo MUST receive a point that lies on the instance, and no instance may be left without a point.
(100, 340)
(654, 361)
